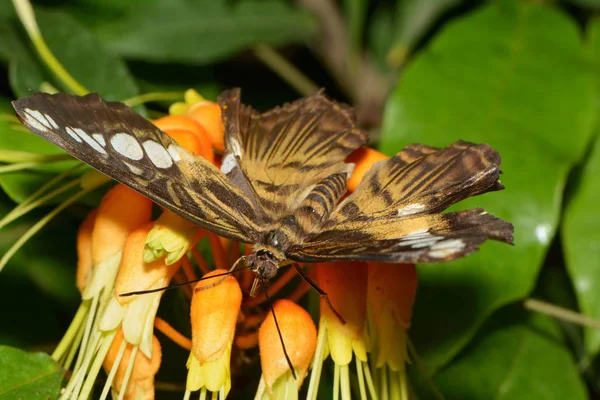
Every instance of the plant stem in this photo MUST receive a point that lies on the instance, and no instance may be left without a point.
(27, 17)
(285, 69)
(153, 96)
(560, 313)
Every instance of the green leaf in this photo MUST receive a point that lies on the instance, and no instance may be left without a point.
(28, 375)
(80, 53)
(413, 19)
(202, 32)
(514, 75)
(580, 236)
(581, 229)
(594, 4)
(514, 358)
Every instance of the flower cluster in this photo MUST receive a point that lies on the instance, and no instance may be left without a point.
(121, 250)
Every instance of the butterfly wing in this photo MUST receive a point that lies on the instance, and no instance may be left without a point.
(284, 153)
(125, 146)
(394, 213)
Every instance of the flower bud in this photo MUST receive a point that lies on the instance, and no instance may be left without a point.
(141, 380)
(299, 336)
(84, 251)
(214, 313)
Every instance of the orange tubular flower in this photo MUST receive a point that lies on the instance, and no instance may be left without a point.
(208, 114)
(121, 211)
(299, 336)
(391, 294)
(140, 383)
(84, 251)
(363, 159)
(188, 133)
(346, 286)
(392, 290)
(214, 313)
(136, 313)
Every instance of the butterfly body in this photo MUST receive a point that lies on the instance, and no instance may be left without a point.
(282, 182)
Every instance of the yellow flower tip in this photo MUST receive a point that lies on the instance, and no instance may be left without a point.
(191, 97)
(191, 135)
(179, 108)
(214, 313)
(171, 236)
(285, 387)
(135, 274)
(120, 212)
(391, 295)
(299, 336)
(208, 114)
(141, 381)
(84, 251)
(363, 158)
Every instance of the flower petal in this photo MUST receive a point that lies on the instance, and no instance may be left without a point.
(363, 159)
(84, 251)
(299, 335)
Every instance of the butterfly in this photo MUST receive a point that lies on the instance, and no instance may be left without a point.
(282, 183)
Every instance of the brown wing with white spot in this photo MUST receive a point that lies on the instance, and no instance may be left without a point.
(286, 152)
(394, 213)
(125, 146)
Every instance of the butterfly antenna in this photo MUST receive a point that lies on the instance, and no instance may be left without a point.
(160, 289)
(321, 292)
(285, 353)
(233, 269)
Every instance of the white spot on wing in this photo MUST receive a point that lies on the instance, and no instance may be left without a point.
(411, 209)
(174, 153)
(236, 149)
(419, 239)
(157, 154)
(51, 121)
(72, 133)
(229, 162)
(136, 170)
(127, 146)
(446, 248)
(98, 137)
(35, 120)
(88, 139)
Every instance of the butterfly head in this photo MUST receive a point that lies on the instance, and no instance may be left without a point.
(264, 262)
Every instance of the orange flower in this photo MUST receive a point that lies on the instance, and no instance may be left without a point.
(298, 334)
(136, 313)
(363, 159)
(214, 313)
(140, 383)
(120, 212)
(208, 114)
(188, 133)
(392, 290)
(84, 251)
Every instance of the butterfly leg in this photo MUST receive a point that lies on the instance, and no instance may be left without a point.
(321, 292)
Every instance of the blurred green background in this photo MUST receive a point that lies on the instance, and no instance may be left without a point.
(522, 76)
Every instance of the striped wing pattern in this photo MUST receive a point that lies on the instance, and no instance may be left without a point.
(394, 214)
(284, 171)
(125, 146)
(284, 153)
